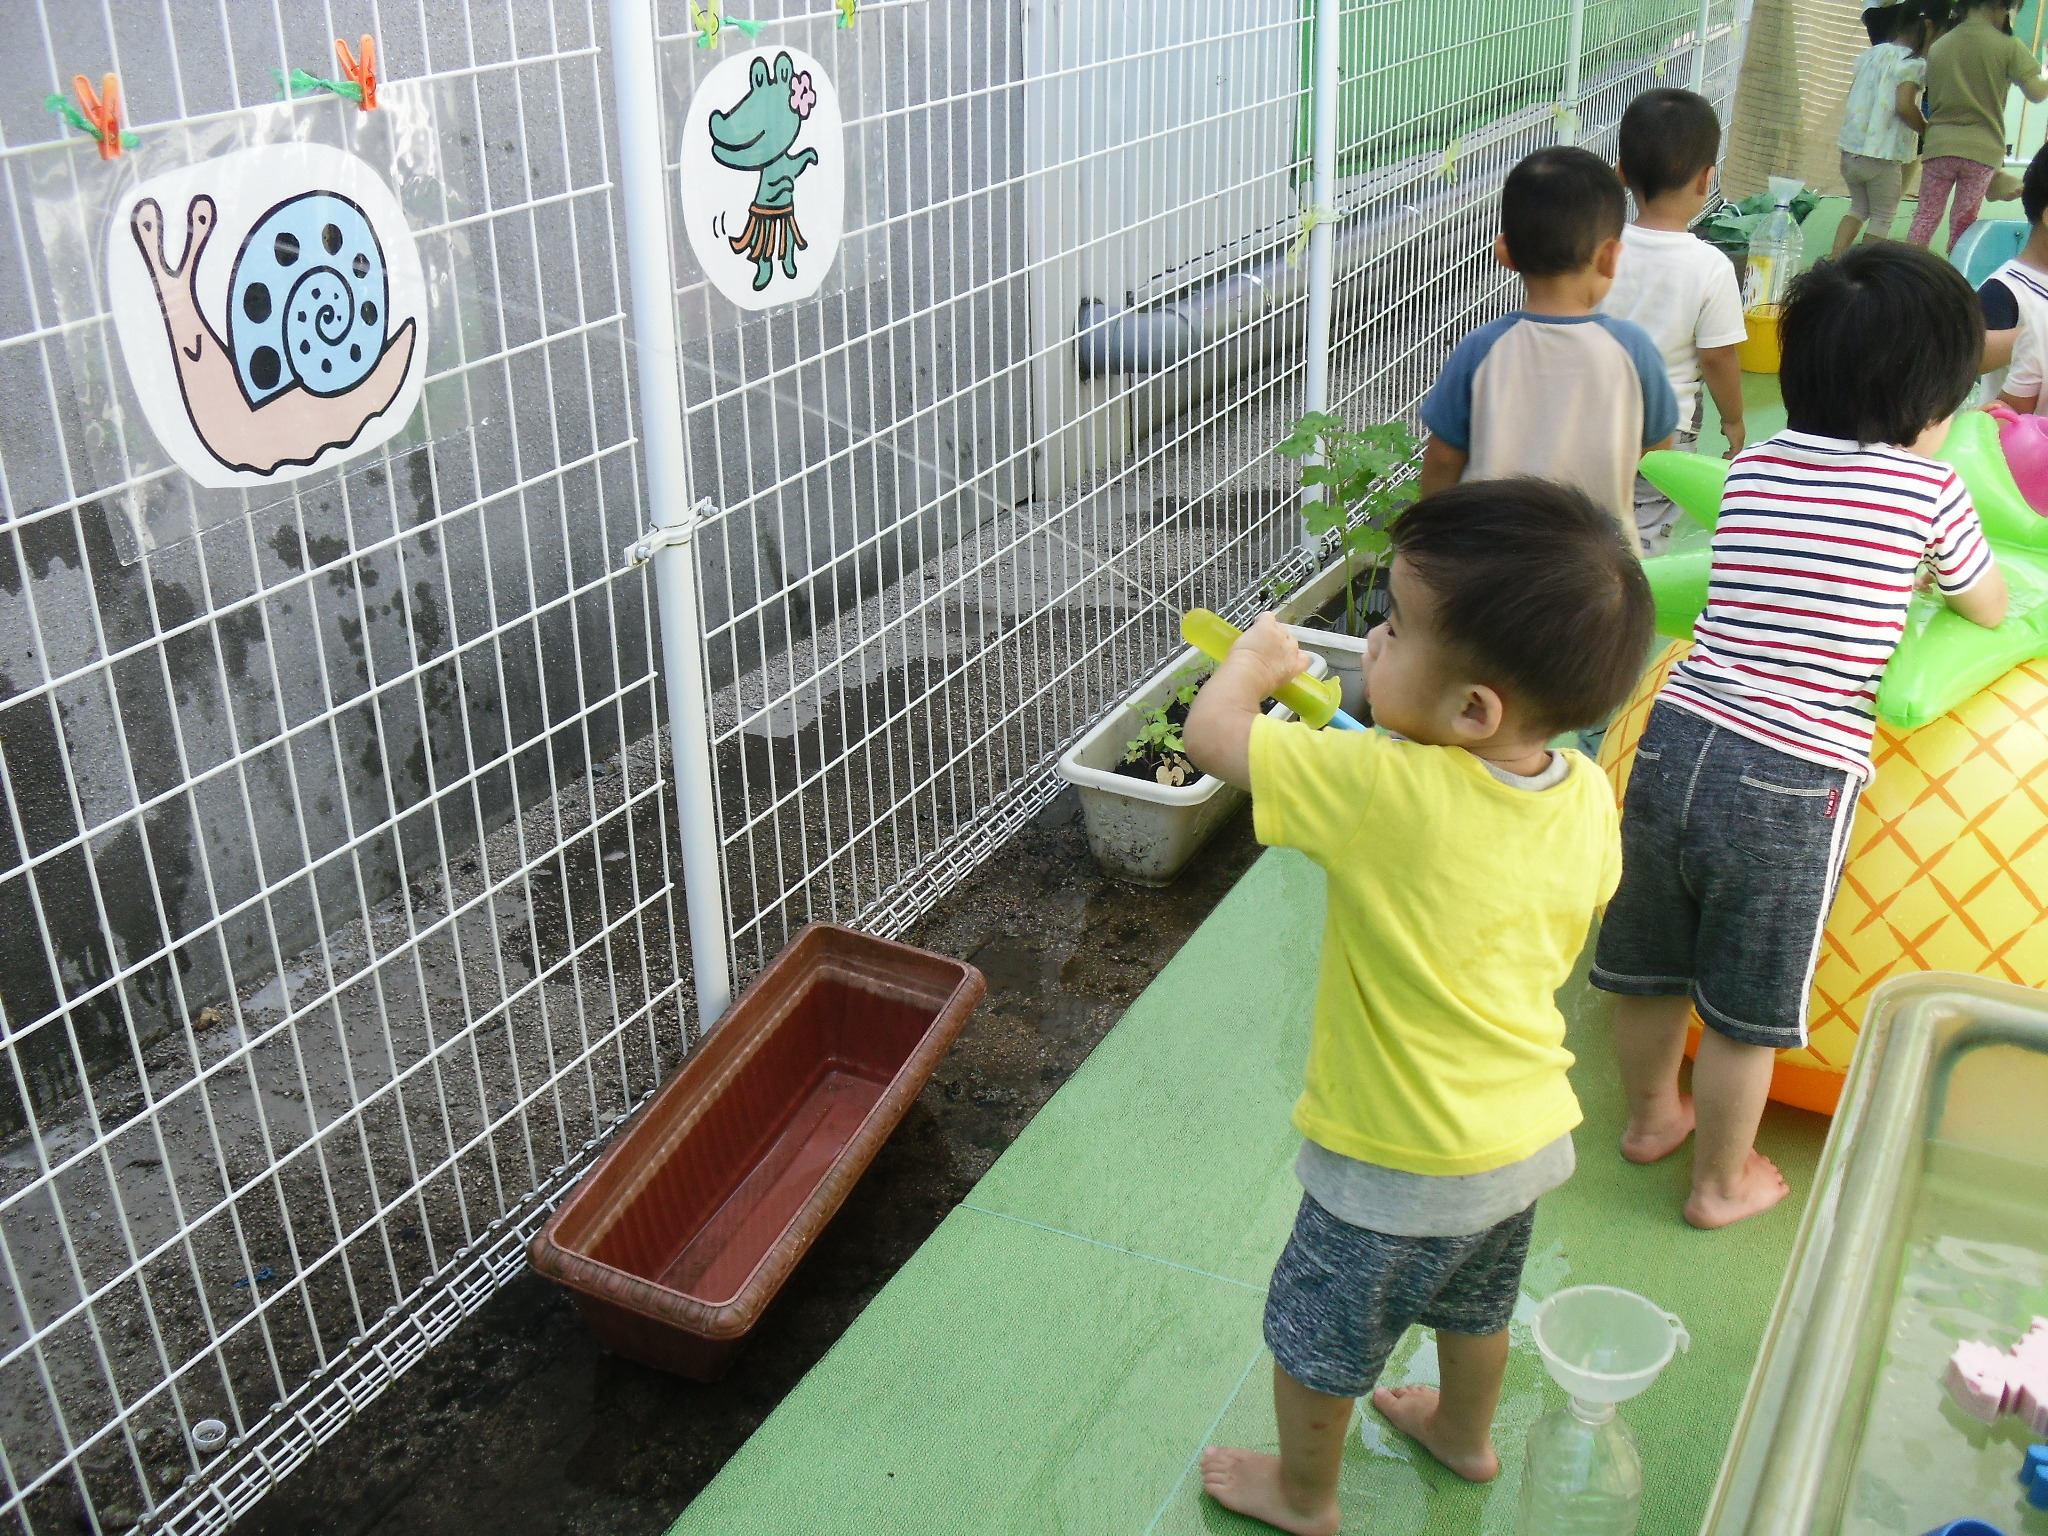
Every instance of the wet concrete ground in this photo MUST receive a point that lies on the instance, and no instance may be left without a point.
(520, 1426)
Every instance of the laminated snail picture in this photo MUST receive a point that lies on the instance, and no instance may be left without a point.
(764, 176)
(271, 310)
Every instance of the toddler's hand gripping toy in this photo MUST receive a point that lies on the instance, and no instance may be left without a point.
(1313, 700)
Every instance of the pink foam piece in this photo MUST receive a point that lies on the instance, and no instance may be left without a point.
(1979, 1380)
(2025, 441)
(2028, 1378)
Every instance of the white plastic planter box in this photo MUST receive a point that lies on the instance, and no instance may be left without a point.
(1140, 832)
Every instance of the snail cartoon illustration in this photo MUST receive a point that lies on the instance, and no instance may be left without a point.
(311, 357)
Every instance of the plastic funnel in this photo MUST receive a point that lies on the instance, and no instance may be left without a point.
(1314, 699)
(1785, 188)
(1603, 1344)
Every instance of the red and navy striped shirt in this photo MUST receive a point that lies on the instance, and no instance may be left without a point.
(1814, 557)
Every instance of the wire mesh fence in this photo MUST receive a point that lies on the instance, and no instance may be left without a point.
(962, 505)
(340, 914)
(335, 877)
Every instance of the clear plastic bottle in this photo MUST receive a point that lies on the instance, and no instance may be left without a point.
(1582, 1475)
(1775, 250)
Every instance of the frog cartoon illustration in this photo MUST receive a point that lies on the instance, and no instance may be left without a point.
(756, 134)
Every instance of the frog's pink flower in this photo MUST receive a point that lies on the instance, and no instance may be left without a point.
(801, 96)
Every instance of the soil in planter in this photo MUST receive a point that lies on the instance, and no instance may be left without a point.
(1151, 754)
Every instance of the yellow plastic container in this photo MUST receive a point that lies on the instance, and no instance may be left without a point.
(1758, 352)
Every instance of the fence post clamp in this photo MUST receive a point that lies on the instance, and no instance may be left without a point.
(667, 535)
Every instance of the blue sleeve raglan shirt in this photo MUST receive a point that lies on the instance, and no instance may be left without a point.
(1572, 398)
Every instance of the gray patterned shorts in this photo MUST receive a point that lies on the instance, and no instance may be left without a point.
(1342, 1296)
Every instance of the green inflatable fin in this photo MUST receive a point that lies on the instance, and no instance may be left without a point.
(1973, 448)
(1694, 481)
(1678, 584)
(1944, 658)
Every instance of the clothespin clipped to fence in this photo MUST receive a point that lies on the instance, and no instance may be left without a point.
(97, 117)
(1449, 169)
(1660, 66)
(1312, 214)
(848, 9)
(360, 73)
(358, 83)
(710, 19)
(1567, 122)
(302, 83)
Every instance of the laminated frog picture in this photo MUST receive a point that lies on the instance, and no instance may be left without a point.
(764, 176)
(271, 309)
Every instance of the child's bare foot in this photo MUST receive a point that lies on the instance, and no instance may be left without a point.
(1756, 1189)
(1249, 1483)
(1648, 1141)
(1412, 1410)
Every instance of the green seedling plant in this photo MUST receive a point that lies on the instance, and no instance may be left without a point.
(1159, 736)
(1363, 486)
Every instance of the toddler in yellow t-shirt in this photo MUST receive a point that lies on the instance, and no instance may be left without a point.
(1466, 860)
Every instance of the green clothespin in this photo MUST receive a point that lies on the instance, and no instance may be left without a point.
(847, 11)
(1311, 215)
(1452, 150)
(1660, 66)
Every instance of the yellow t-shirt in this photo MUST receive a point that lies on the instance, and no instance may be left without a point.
(1458, 906)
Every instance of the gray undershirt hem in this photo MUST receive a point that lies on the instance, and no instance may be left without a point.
(1403, 1204)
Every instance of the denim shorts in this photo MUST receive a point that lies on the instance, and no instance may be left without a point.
(1342, 1296)
(1731, 852)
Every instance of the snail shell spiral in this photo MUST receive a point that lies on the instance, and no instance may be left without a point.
(308, 299)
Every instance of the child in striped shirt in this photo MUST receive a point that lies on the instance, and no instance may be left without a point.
(1736, 821)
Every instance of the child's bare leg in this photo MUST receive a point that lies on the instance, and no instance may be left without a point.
(1455, 1425)
(1730, 1178)
(1296, 1490)
(1649, 1043)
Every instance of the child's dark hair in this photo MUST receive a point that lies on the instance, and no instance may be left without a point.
(1879, 344)
(1535, 588)
(1557, 208)
(1667, 138)
(2034, 188)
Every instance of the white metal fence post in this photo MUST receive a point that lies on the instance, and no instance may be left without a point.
(1699, 47)
(644, 196)
(1574, 48)
(1322, 239)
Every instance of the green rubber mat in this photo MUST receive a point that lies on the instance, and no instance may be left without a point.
(1059, 1352)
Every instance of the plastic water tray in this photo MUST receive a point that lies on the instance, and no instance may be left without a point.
(1928, 1224)
(678, 1238)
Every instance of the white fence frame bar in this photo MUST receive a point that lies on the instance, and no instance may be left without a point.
(644, 196)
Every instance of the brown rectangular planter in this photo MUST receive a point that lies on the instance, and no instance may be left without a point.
(680, 1236)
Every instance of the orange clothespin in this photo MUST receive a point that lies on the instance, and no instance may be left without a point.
(103, 112)
(363, 72)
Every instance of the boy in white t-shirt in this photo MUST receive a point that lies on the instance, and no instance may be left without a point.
(1673, 284)
(2015, 304)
